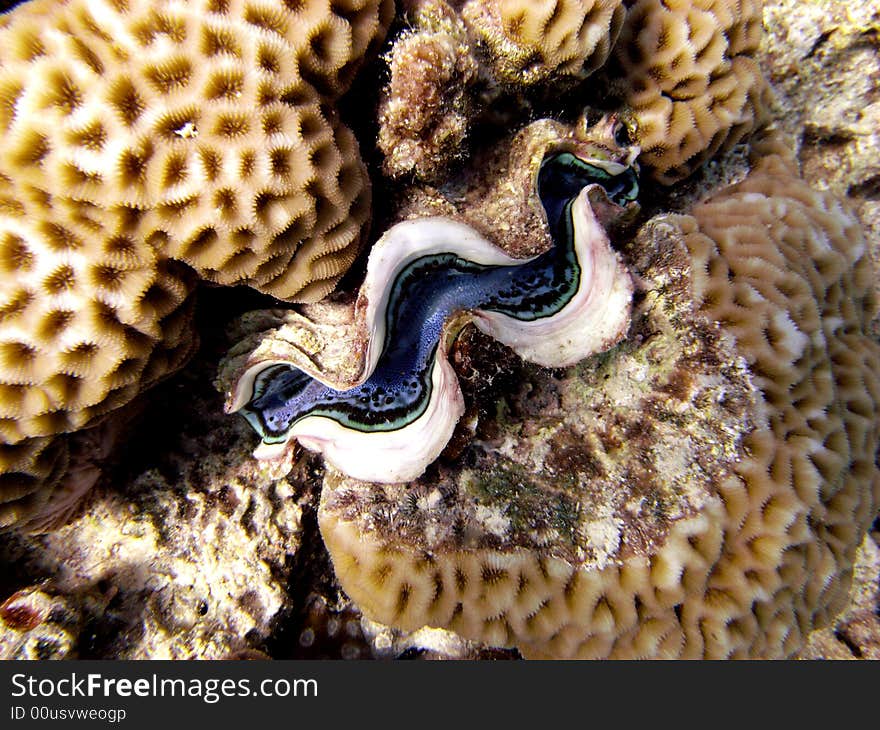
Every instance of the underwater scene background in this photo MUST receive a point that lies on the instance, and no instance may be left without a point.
(553, 323)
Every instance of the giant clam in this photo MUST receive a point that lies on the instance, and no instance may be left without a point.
(426, 278)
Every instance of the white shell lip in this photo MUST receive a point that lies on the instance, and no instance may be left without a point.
(610, 166)
(401, 245)
(595, 319)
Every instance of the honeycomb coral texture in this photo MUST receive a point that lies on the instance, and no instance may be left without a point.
(531, 40)
(138, 135)
(201, 120)
(690, 78)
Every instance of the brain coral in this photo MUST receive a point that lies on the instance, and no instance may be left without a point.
(205, 122)
(29, 473)
(708, 481)
(139, 136)
(531, 41)
(687, 70)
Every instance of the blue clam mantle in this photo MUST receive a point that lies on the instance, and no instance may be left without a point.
(425, 279)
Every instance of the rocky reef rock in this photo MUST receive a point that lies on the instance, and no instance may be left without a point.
(823, 59)
(186, 557)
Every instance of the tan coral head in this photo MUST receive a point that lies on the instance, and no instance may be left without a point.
(689, 74)
(211, 123)
(553, 309)
(143, 142)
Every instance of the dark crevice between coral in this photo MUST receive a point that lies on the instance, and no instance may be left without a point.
(104, 635)
(318, 622)
(844, 639)
(488, 372)
(172, 400)
(820, 42)
(358, 110)
(6, 5)
(19, 572)
(867, 189)
(816, 136)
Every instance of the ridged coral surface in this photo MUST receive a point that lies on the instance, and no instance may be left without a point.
(142, 136)
(718, 516)
(530, 41)
(202, 121)
(786, 270)
(29, 472)
(689, 72)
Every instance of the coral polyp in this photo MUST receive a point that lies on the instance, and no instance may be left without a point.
(426, 278)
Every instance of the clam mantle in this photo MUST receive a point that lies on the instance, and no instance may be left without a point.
(427, 278)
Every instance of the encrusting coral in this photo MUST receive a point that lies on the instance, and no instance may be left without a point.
(687, 70)
(535, 41)
(140, 135)
(700, 491)
(426, 108)
(455, 60)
